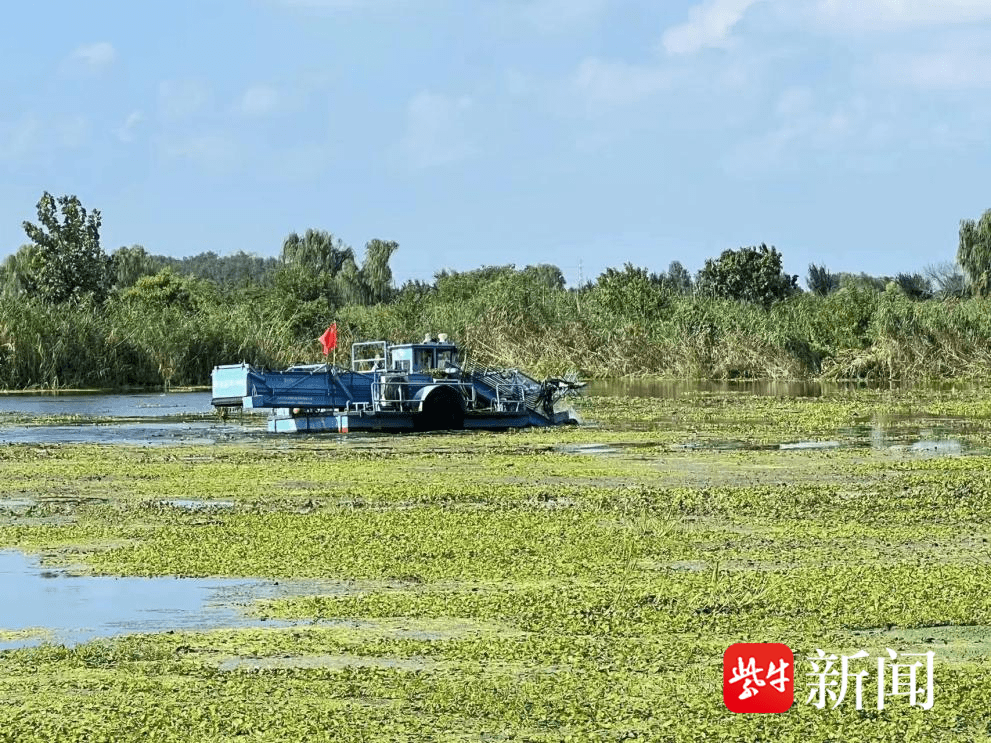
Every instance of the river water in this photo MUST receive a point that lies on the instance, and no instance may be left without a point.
(139, 419)
(101, 405)
(57, 605)
(173, 418)
(673, 389)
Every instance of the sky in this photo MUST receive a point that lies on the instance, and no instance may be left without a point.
(854, 134)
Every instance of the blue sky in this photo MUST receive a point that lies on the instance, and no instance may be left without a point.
(585, 133)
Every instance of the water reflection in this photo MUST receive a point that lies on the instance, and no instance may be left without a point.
(142, 419)
(46, 604)
(162, 433)
(674, 388)
(102, 405)
(184, 418)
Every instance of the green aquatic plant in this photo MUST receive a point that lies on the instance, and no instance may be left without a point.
(534, 585)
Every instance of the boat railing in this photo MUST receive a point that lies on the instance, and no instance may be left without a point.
(509, 398)
(393, 395)
(362, 362)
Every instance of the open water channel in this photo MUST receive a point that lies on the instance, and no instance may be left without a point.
(140, 419)
(41, 604)
(57, 605)
(149, 419)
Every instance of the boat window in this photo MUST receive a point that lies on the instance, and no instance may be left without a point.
(402, 365)
(423, 358)
(445, 358)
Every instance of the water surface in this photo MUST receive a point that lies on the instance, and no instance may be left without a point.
(103, 405)
(69, 609)
(672, 389)
(143, 419)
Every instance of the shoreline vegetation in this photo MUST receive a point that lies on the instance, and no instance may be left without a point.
(855, 333)
(73, 317)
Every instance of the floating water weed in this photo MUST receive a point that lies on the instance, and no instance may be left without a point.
(603, 618)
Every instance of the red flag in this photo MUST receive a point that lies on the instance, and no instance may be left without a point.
(329, 339)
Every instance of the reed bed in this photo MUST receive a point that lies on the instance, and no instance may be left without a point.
(855, 333)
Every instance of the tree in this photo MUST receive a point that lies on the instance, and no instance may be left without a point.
(821, 281)
(861, 281)
(127, 265)
(947, 280)
(70, 261)
(19, 272)
(318, 274)
(461, 287)
(310, 265)
(316, 251)
(376, 275)
(915, 285)
(416, 289)
(678, 280)
(750, 274)
(546, 275)
(167, 289)
(974, 253)
(633, 293)
(236, 272)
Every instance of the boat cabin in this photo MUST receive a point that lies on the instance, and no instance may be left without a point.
(431, 353)
(421, 357)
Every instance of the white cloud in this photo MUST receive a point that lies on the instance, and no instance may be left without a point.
(794, 102)
(211, 151)
(605, 84)
(126, 131)
(303, 161)
(343, 5)
(180, 99)
(19, 138)
(436, 129)
(72, 131)
(519, 84)
(561, 15)
(800, 134)
(329, 4)
(93, 56)
(259, 100)
(952, 69)
(893, 15)
(709, 25)
(30, 137)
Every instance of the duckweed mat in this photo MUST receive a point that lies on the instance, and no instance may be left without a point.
(578, 583)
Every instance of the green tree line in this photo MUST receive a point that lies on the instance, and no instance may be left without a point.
(73, 316)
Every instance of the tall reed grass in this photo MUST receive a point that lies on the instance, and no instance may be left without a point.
(855, 333)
